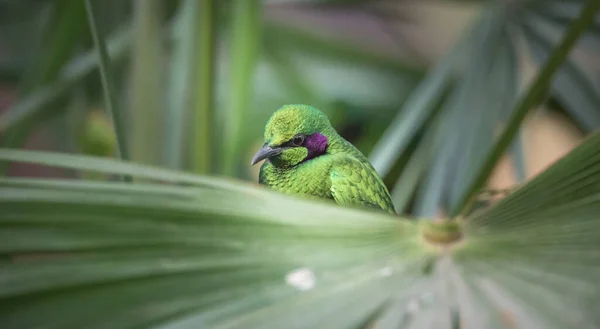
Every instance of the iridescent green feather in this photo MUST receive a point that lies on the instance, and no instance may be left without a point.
(343, 173)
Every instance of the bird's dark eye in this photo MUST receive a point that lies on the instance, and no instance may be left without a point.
(298, 140)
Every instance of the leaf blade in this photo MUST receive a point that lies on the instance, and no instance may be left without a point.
(533, 96)
(110, 101)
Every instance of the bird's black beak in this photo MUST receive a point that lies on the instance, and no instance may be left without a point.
(265, 152)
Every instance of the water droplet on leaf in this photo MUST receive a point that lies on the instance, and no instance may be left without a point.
(301, 279)
(413, 306)
(386, 271)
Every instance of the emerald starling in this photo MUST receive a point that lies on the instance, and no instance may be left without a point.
(305, 156)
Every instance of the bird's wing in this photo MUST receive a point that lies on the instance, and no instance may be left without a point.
(354, 182)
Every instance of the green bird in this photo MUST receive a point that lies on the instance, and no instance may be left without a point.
(305, 156)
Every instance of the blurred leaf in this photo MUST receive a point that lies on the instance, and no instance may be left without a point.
(21, 37)
(469, 119)
(532, 97)
(72, 127)
(110, 102)
(73, 72)
(61, 37)
(202, 147)
(314, 1)
(146, 95)
(180, 84)
(31, 106)
(63, 34)
(112, 14)
(492, 84)
(192, 92)
(9, 74)
(245, 37)
(534, 257)
(573, 86)
(558, 14)
(413, 173)
(109, 252)
(19, 11)
(101, 165)
(418, 108)
(290, 74)
(430, 193)
(517, 153)
(222, 253)
(192, 258)
(328, 47)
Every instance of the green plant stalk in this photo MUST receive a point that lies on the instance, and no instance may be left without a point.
(107, 85)
(533, 96)
(245, 31)
(181, 86)
(146, 82)
(204, 101)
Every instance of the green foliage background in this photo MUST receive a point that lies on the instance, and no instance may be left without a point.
(179, 91)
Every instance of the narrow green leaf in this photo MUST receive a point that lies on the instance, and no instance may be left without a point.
(490, 99)
(429, 195)
(461, 117)
(418, 108)
(110, 101)
(101, 165)
(29, 107)
(146, 95)
(202, 148)
(573, 86)
(243, 54)
(181, 87)
(475, 107)
(191, 93)
(417, 165)
(533, 96)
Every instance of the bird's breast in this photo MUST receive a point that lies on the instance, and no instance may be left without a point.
(309, 178)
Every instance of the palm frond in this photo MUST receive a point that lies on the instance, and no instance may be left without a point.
(230, 256)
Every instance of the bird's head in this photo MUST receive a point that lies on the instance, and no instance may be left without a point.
(294, 134)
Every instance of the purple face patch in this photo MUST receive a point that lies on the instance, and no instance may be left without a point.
(316, 144)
